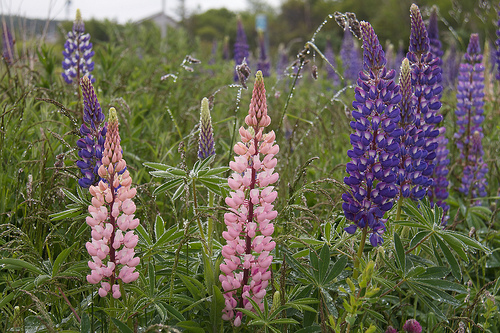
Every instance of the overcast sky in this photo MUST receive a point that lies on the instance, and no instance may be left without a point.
(119, 10)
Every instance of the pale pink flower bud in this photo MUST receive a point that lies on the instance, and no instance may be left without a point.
(116, 291)
(128, 207)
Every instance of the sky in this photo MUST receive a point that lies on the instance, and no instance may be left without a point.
(118, 10)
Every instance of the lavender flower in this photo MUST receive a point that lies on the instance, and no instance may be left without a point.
(7, 45)
(349, 54)
(412, 326)
(263, 64)
(375, 146)
(470, 95)
(330, 56)
(240, 47)
(206, 141)
(93, 132)
(77, 53)
(391, 329)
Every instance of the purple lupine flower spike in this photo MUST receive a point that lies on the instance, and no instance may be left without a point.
(282, 62)
(375, 147)
(7, 45)
(497, 42)
(206, 140)
(438, 192)
(470, 102)
(351, 59)
(426, 75)
(263, 64)
(240, 47)
(93, 132)
(412, 183)
(450, 67)
(330, 56)
(77, 53)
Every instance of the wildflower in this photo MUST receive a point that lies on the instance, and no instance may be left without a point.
(375, 147)
(282, 62)
(7, 45)
(263, 64)
(245, 270)
(497, 42)
(470, 102)
(112, 219)
(77, 53)
(425, 78)
(411, 181)
(412, 326)
(391, 329)
(206, 140)
(241, 47)
(330, 56)
(351, 59)
(93, 132)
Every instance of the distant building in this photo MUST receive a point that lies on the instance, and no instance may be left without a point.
(162, 20)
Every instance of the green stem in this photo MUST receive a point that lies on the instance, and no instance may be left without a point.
(398, 212)
(195, 208)
(210, 224)
(360, 252)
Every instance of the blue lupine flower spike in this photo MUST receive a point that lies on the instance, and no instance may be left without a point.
(375, 143)
(93, 136)
(77, 53)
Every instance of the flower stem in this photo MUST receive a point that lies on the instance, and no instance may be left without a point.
(195, 208)
(360, 252)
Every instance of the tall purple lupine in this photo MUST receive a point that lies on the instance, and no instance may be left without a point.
(411, 182)
(470, 102)
(7, 45)
(282, 62)
(350, 56)
(263, 64)
(206, 140)
(77, 53)
(93, 132)
(438, 192)
(330, 56)
(425, 78)
(375, 147)
(497, 42)
(240, 47)
(450, 67)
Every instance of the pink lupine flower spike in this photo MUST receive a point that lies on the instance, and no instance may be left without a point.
(112, 219)
(245, 270)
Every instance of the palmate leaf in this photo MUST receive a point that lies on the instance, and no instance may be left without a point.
(169, 184)
(455, 267)
(400, 253)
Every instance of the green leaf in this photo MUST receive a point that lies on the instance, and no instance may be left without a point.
(174, 312)
(337, 268)
(66, 214)
(72, 197)
(85, 323)
(400, 253)
(159, 227)
(417, 238)
(324, 262)
(191, 326)
(455, 244)
(470, 242)
(168, 236)
(212, 172)
(40, 279)
(157, 166)
(443, 284)
(145, 236)
(18, 263)
(284, 321)
(121, 326)
(171, 183)
(61, 258)
(178, 192)
(455, 267)
(218, 189)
